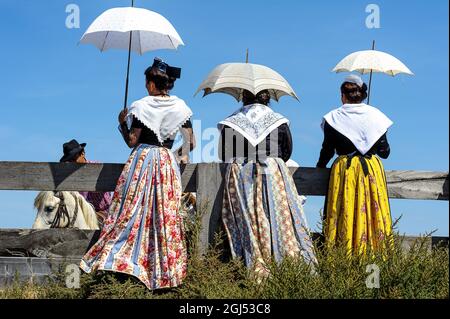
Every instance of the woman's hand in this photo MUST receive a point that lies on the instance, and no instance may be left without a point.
(182, 153)
(184, 159)
(123, 115)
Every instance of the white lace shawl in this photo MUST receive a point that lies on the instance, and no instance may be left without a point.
(254, 122)
(360, 123)
(163, 115)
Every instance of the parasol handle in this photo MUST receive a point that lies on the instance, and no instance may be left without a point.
(370, 78)
(128, 67)
(128, 71)
(246, 56)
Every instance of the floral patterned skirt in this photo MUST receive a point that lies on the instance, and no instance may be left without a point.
(357, 212)
(263, 214)
(143, 234)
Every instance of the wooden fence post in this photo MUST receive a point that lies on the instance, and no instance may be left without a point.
(210, 183)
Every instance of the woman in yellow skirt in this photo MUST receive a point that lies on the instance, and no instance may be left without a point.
(356, 213)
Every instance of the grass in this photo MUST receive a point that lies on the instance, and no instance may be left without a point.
(413, 273)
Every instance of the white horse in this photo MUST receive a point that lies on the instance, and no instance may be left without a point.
(64, 210)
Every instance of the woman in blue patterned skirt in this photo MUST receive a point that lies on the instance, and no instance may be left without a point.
(262, 210)
(143, 234)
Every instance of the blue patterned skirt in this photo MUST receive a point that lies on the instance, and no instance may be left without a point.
(263, 214)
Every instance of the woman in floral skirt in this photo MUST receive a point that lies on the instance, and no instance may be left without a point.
(143, 234)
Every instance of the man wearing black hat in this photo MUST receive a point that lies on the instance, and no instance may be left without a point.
(74, 152)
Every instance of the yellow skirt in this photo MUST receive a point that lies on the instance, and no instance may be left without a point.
(357, 212)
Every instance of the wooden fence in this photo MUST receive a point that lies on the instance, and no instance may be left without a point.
(206, 179)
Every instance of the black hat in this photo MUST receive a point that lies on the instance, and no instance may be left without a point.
(165, 68)
(71, 149)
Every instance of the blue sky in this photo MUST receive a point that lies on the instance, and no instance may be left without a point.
(54, 90)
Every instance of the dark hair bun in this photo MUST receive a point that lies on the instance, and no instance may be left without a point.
(262, 97)
(353, 92)
(162, 81)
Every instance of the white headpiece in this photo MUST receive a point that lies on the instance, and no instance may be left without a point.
(353, 78)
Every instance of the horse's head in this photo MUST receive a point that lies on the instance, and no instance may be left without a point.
(47, 205)
(63, 210)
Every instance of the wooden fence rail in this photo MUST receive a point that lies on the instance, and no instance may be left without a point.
(103, 177)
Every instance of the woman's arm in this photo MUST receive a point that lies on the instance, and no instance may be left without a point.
(222, 145)
(131, 137)
(328, 148)
(382, 147)
(188, 143)
(227, 144)
(285, 142)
